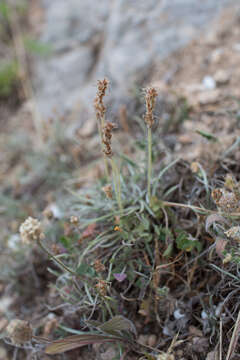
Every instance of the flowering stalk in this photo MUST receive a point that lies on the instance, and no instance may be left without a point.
(59, 262)
(117, 184)
(100, 110)
(107, 144)
(149, 175)
(31, 230)
(150, 99)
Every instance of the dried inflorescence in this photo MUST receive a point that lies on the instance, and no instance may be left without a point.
(106, 139)
(98, 101)
(108, 191)
(227, 201)
(99, 266)
(31, 230)
(74, 220)
(232, 185)
(150, 99)
(102, 287)
(48, 213)
(234, 233)
(19, 331)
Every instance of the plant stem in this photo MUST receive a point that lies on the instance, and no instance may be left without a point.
(55, 259)
(100, 129)
(117, 184)
(149, 176)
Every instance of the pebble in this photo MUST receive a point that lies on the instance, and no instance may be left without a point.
(109, 354)
(200, 344)
(152, 340)
(213, 355)
(216, 55)
(195, 331)
(208, 97)
(143, 339)
(208, 82)
(221, 77)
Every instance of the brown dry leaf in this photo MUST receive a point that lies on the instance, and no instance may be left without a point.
(220, 246)
(213, 355)
(195, 331)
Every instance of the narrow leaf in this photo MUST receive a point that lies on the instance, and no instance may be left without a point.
(76, 341)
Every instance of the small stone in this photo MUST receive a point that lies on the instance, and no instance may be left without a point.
(216, 55)
(209, 82)
(109, 354)
(208, 97)
(195, 331)
(185, 139)
(222, 77)
(213, 355)
(200, 344)
(152, 340)
(143, 339)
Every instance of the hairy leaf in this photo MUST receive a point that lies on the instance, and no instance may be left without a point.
(76, 341)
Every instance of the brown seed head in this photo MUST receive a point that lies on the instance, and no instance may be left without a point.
(99, 266)
(19, 331)
(108, 191)
(106, 139)
(98, 101)
(102, 287)
(150, 99)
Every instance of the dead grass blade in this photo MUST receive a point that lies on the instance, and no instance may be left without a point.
(234, 339)
(76, 341)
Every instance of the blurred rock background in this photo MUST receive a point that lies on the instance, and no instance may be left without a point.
(123, 40)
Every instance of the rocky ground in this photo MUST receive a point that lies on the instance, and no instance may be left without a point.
(198, 100)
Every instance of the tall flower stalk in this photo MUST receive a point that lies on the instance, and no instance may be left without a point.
(31, 231)
(150, 99)
(107, 149)
(100, 110)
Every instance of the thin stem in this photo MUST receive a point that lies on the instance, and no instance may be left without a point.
(101, 123)
(117, 184)
(55, 259)
(149, 176)
(197, 208)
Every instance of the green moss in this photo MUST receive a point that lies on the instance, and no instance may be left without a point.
(8, 78)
